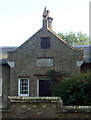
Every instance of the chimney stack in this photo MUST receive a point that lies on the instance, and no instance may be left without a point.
(47, 20)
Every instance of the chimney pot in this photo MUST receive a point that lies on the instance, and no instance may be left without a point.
(48, 13)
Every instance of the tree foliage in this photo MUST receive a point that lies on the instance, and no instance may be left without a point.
(75, 90)
(73, 38)
(55, 76)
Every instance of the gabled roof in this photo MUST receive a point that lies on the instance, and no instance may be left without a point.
(60, 38)
(86, 50)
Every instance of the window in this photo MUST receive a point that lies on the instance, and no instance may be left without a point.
(0, 86)
(45, 43)
(23, 87)
(44, 62)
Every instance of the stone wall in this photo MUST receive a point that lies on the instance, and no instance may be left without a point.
(34, 107)
(25, 60)
(75, 112)
(44, 108)
(5, 84)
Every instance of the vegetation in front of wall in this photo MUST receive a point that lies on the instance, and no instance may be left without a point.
(75, 90)
(55, 76)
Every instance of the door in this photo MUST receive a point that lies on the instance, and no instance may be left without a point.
(44, 87)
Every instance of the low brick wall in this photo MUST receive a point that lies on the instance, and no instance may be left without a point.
(75, 112)
(45, 108)
(34, 107)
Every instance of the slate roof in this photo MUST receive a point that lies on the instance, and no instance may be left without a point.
(86, 52)
(3, 53)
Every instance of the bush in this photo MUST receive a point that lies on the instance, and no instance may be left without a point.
(55, 76)
(75, 90)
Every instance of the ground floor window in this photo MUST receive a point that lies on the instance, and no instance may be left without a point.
(23, 87)
(0, 86)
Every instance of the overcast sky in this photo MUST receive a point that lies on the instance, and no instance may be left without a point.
(20, 19)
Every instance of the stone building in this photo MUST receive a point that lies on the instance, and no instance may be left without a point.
(24, 71)
(86, 65)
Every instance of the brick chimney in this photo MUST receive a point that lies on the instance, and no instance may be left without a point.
(47, 20)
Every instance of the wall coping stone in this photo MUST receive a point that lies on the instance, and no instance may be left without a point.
(34, 99)
(76, 109)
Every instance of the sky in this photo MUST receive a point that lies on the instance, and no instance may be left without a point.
(20, 19)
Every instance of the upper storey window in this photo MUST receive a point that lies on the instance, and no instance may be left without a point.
(45, 43)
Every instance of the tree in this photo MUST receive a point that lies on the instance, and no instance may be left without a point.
(55, 76)
(73, 38)
(75, 90)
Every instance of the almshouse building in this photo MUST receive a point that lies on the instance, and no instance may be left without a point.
(24, 72)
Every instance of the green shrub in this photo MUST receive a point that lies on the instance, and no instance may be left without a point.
(75, 90)
(55, 76)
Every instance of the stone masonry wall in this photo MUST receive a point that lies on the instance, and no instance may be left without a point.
(5, 84)
(44, 108)
(34, 107)
(25, 60)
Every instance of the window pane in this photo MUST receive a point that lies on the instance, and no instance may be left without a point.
(26, 92)
(45, 43)
(24, 86)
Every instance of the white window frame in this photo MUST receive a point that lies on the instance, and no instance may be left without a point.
(37, 87)
(19, 87)
(1, 86)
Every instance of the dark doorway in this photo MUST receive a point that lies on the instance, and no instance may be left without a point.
(86, 67)
(45, 87)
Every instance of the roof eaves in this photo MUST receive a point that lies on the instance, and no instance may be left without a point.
(60, 38)
(3, 61)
